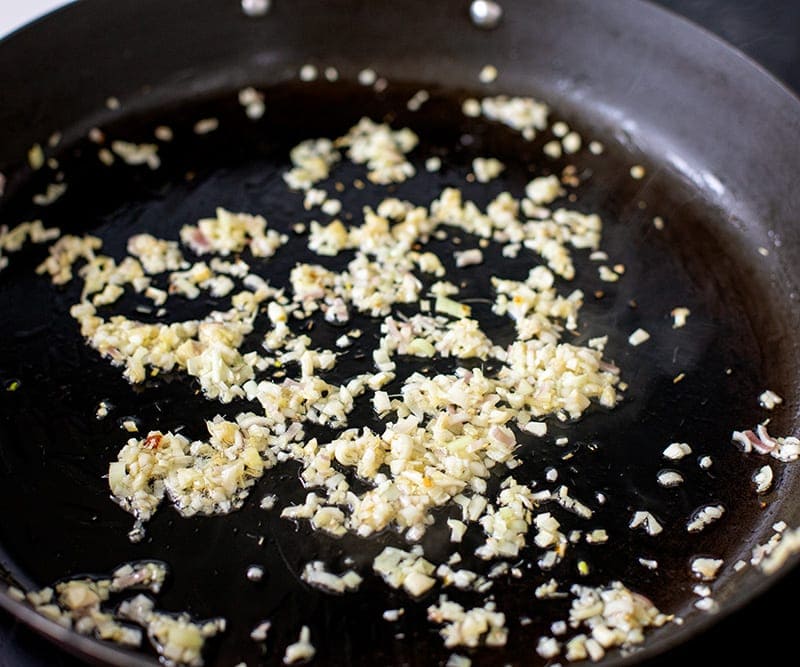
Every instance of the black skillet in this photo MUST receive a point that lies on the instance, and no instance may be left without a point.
(718, 138)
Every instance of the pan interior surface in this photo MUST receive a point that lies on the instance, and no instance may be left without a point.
(693, 384)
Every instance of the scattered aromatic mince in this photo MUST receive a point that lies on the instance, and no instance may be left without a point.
(471, 108)
(607, 275)
(705, 516)
(230, 233)
(130, 426)
(771, 556)
(670, 478)
(612, 616)
(53, 192)
(256, 8)
(316, 575)
(106, 157)
(638, 337)
(538, 429)
(409, 570)
(259, 633)
(762, 479)
(597, 536)
(769, 400)
(677, 450)
(646, 521)
(523, 114)
(456, 660)
(36, 157)
(13, 240)
(163, 133)
(571, 142)
(193, 344)
(706, 568)
(312, 161)
(782, 448)
(443, 436)
(367, 77)
(96, 135)
(253, 103)
(177, 639)
(301, 650)
(308, 73)
(268, 501)
(470, 627)
(206, 126)
(392, 615)
(679, 315)
(596, 148)
(419, 98)
(81, 604)
(103, 408)
(486, 169)
(552, 149)
(468, 257)
(137, 154)
(488, 74)
(381, 149)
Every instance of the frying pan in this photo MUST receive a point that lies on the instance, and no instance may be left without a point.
(718, 138)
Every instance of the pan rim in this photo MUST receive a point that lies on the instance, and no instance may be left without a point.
(650, 649)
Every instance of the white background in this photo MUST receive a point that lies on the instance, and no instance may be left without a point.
(16, 13)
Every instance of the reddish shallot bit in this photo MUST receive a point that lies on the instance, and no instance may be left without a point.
(153, 440)
(199, 241)
(769, 443)
(748, 441)
(502, 435)
(609, 367)
(782, 448)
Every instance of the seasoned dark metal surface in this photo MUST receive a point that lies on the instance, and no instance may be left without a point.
(247, 184)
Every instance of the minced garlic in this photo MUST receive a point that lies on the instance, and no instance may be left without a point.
(706, 568)
(704, 516)
(487, 169)
(638, 337)
(679, 315)
(381, 149)
(405, 569)
(487, 74)
(677, 450)
(34, 232)
(78, 604)
(316, 575)
(469, 627)
(442, 436)
(769, 399)
(646, 521)
(520, 113)
(762, 479)
(137, 154)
